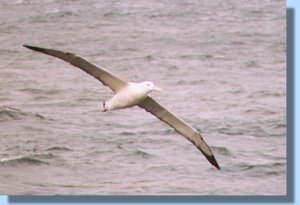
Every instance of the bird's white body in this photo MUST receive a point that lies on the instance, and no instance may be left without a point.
(129, 96)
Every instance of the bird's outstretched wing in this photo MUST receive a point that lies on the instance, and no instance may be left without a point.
(108, 79)
(180, 126)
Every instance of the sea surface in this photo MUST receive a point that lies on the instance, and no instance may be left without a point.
(221, 64)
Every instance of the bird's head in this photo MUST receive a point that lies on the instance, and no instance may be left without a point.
(149, 86)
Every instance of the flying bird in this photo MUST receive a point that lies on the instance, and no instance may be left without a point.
(128, 94)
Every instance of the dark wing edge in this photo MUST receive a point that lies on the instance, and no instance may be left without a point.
(108, 79)
(150, 105)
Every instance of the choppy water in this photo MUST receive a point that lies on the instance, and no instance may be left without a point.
(221, 65)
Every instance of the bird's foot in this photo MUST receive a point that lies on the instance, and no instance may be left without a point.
(104, 109)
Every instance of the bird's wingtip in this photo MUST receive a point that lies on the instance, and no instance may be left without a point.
(42, 50)
(32, 47)
(28, 46)
(214, 162)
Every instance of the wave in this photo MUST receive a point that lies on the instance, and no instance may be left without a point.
(59, 149)
(245, 166)
(190, 82)
(162, 132)
(231, 131)
(10, 113)
(272, 168)
(41, 91)
(149, 57)
(149, 132)
(137, 153)
(245, 129)
(127, 133)
(222, 151)
(142, 154)
(267, 93)
(26, 160)
(253, 64)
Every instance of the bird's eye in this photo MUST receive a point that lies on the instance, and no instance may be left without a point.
(148, 84)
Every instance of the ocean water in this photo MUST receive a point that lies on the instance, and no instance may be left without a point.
(222, 67)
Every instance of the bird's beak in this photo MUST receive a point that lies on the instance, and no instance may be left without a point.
(155, 88)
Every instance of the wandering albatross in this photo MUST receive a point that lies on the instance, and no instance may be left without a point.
(130, 94)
